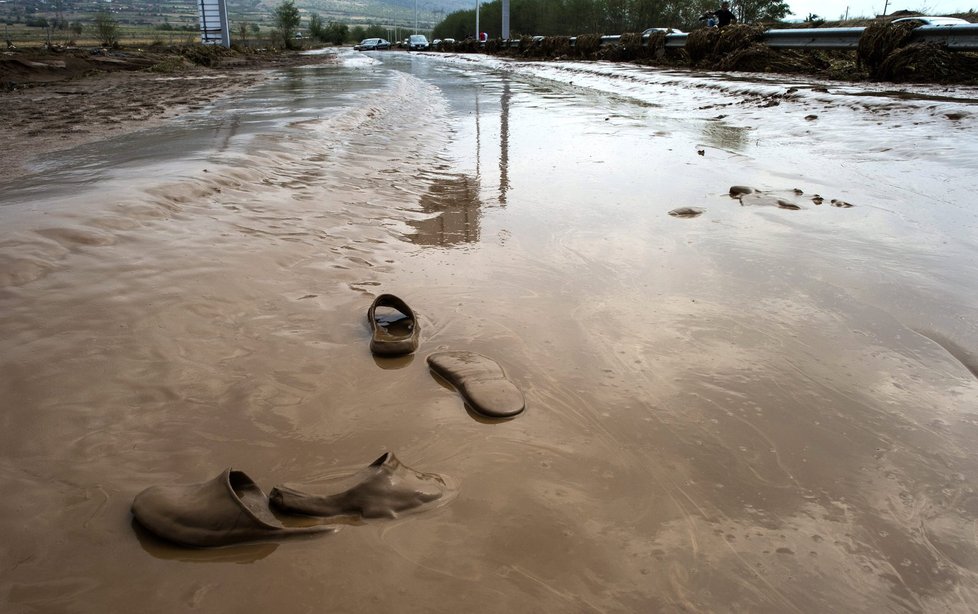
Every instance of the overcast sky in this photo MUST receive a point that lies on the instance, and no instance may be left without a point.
(833, 9)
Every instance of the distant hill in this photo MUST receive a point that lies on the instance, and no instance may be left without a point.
(379, 12)
(184, 12)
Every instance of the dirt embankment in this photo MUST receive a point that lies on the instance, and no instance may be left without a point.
(886, 53)
(53, 99)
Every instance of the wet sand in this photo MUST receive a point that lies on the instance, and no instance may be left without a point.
(758, 408)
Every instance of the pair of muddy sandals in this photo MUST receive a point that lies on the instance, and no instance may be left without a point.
(232, 508)
(480, 381)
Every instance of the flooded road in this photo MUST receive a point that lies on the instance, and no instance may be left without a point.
(768, 407)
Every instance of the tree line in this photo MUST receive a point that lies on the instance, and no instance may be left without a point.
(546, 18)
(573, 17)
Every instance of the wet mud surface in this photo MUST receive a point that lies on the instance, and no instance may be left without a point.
(758, 408)
(57, 100)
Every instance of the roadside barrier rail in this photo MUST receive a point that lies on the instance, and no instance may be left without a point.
(814, 38)
(957, 37)
(960, 37)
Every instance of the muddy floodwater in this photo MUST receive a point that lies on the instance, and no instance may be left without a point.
(758, 404)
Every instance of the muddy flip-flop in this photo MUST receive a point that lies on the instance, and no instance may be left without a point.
(737, 191)
(229, 509)
(395, 331)
(481, 382)
(687, 212)
(384, 489)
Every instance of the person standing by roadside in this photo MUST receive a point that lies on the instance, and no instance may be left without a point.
(724, 15)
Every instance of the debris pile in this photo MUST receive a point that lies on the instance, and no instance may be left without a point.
(885, 52)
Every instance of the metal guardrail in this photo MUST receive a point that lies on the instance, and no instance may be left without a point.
(957, 37)
(960, 37)
(814, 38)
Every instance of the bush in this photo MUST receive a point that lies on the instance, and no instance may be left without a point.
(107, 29)
(287, 19)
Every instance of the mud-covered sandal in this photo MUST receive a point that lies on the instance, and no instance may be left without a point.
(481, 382)
(395, 331)
(384, 489)
(229, 509)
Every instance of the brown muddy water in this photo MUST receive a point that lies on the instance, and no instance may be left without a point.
(760, 408)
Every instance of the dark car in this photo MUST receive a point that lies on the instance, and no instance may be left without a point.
(372, 44)
(417, 42)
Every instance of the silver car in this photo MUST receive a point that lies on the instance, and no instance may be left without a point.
(932, 21)
(372, 44)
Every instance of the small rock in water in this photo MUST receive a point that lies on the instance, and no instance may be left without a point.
(784, 204)
(740, 190)
(841, 204)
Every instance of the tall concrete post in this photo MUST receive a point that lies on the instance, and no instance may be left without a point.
(505, 32)
(214, 28)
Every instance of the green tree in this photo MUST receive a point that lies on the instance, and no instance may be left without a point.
(287, 20)
(317, 29)
(337, 33)
(574, 17)
(107, 29)
(751, 11)
(375, 31)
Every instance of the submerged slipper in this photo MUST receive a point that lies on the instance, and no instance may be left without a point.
(395, 332)
(481, 382)
(229, 509)
(381, 490)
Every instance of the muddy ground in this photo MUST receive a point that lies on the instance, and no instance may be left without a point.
(55, 99)
(768, 407)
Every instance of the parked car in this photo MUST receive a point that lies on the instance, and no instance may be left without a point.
(933, 21)
(372, 44)
(417, 42)
(666, 30)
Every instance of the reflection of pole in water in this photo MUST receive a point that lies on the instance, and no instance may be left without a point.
(504, 143)
(229, 130)
(478, 145)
